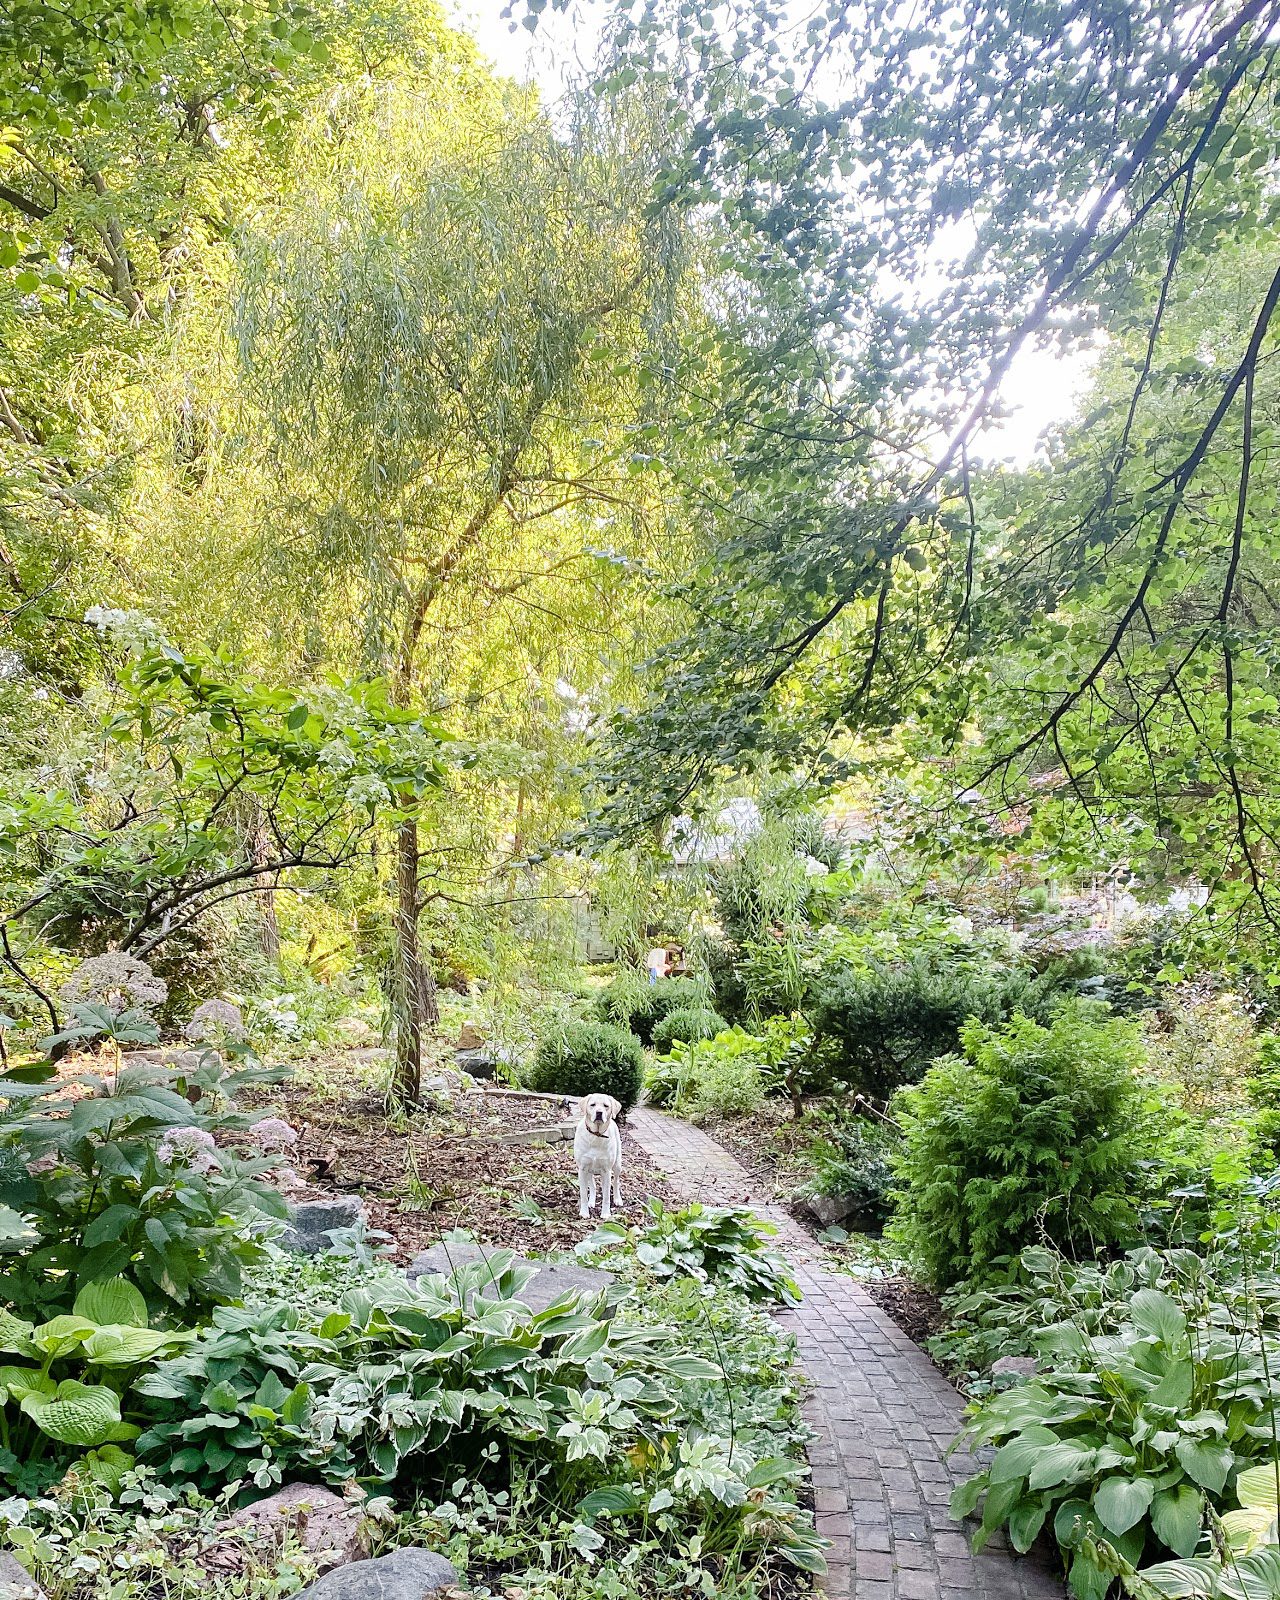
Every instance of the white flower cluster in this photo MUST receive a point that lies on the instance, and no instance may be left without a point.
(133, 629)
(337, 756)
(190, 1147)
(273, 1135)
(216, 1022)
(368, 792)
(117, 980)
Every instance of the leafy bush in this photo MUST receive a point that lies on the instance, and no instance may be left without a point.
(1263, 1089)
(688, 1024)
(410, 1385)
(1127, 1440)
(1033, 1132)
(633, 1003)
(1207, 1051)
(135, 1174)
(887, 1022)
(853, 1164)
(589, 1058)
(70, 1398)
(722, 1244)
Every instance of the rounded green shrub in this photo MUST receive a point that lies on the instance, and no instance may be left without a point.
(689, 1024)
(589, 1058)
(1031, 1134)
(633, 1003)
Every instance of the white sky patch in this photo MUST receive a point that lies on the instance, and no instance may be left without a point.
(1044, 387)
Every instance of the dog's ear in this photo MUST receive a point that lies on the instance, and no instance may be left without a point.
(614, 1107)
(582, 1108)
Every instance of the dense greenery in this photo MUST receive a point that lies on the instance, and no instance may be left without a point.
(589, 1058)
(453, 545)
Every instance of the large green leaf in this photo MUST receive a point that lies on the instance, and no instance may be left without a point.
(15, 1335)
(1017, 1458)
(1205, 1461)
(112, 1301)
(1176, 1515)
(61, 1335)
(127, 1346)
(76, 1413)
(1158, 1315)
(1122, 1502)
(1061, 1463)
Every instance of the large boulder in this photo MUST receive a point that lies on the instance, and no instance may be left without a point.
(326, 1525)
(407, 1574)
(552, 1280)
(307, 1232)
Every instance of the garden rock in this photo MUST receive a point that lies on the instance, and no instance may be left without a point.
(327, 1526)
(553, 1280)
(16, 1583)
(407, 1574)
(311, 1221)
(470, 1037)
(831, 1209)
(476, 1063)
(1014, 1367)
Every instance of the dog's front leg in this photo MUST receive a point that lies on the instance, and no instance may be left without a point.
(606, 1183)
(584, 1203)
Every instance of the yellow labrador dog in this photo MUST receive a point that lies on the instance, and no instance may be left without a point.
(597, 1148)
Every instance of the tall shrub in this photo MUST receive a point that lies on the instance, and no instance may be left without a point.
(1033, 1132)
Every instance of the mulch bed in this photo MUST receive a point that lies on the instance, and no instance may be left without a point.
(437, 1170)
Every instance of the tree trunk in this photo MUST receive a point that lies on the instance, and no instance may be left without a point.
(411, 991)
(265, 898)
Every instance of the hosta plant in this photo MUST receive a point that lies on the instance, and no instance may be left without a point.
(1129, 1440)
(1241, 1553)
(64, 1394)
(727, 1245)
(134, 1173)
(409, 1386)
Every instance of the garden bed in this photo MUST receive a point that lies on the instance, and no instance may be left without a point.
(423, 1175)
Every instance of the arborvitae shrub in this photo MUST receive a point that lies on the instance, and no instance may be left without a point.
(1031, 1134)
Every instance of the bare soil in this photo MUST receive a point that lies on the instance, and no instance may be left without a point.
(439, 1169)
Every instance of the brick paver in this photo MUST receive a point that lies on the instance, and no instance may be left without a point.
(882, 1416)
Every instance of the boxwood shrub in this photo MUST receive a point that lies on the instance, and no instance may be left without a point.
(589, 1058)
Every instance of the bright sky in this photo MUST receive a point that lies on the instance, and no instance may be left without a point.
(1042, 387)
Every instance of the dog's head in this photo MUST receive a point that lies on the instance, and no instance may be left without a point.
(598, 1111)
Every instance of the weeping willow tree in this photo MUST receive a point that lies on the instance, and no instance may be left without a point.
(439, 331)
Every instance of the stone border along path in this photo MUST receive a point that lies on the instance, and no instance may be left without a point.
(881, 1413)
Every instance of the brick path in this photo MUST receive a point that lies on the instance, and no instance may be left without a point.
(881, 1412)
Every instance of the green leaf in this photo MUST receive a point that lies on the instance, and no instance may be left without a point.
(1176, 1516)
(612, 1498)
(112, 1300)
(1156, 1314)
(77, 1413)
(1122, 1502)
(1061, 1463)
(1205, 1461)
(1026, 1520)
(965, 1496)
(1017, 1458)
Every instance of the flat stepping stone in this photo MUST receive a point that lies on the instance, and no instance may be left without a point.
(882, 1415)
(553, 1279)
